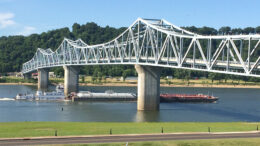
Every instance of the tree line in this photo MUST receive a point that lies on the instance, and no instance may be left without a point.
(15, 50)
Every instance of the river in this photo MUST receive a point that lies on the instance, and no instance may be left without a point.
(235, 104)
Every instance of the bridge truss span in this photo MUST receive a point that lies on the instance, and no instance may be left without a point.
(156, 42)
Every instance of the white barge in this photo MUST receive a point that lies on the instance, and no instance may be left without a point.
(107, 96)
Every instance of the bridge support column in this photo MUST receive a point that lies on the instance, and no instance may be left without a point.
(71, 79)
(43, 79)
(148, 87)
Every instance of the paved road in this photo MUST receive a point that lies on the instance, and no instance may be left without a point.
(124, 138)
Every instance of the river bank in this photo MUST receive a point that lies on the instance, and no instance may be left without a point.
(162, 85)
(172, 85)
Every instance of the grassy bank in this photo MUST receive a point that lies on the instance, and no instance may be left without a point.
(171, 82)
(32, 129)
(17, 80)
(211, 142)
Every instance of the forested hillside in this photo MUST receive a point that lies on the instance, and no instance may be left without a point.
(15, 50)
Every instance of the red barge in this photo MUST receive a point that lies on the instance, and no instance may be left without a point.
(187, 98)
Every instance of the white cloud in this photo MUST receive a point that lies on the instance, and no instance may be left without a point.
(27, 30)
(8, 24)
(6, 20)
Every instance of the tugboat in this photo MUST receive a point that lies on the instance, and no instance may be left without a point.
(187, 98)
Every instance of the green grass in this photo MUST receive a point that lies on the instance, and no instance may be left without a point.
(211, 142)
(32, 129)
(17, 80)
(163, 81)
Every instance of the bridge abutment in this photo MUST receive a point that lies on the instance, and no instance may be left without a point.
(71, 79)
(148, 87)
(43, 79)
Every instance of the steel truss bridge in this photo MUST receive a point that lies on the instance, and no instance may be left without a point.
(156, 42)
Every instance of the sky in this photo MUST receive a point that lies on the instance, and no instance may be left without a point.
(24, 17)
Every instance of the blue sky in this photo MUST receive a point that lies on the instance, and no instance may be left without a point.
(35, 16)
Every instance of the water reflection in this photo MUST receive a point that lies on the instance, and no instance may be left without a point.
(147, 116)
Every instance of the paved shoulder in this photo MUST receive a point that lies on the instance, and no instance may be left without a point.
(124, 138)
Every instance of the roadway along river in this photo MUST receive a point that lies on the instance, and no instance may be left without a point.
(233, 105)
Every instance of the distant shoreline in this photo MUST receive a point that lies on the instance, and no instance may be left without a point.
(162, 85)
(18, 83)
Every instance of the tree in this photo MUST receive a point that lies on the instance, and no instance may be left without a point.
(212, 76)
(127, 72)
(187, 76)
(237, 31)
(225, 30)
(93, 79)
(99, 77)
(76, 28)
(257, 29)
(249, 30)
(83, 79)
(191, 28)
(207, 31)
(245, 79)
(58, 71)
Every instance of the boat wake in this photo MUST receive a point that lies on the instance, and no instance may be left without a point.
(6, 99)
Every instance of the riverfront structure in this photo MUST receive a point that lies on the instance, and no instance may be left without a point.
(149, 44)
(71, 78)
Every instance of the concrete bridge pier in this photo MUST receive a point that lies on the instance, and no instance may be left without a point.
(43, 79)
(71, 79)
(148, 87)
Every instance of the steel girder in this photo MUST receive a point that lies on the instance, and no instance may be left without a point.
(156, 42)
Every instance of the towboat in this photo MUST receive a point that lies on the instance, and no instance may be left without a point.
(24, 97)
(40, 95)
(54, 95)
